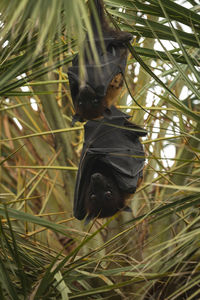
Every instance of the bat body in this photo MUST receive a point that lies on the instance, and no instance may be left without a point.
(93, 96)
(110, 168)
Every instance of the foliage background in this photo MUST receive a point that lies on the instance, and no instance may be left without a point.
(45, 253)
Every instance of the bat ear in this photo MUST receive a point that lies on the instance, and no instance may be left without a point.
(76, 118)
(107, 113)
(127, 209)
(88, 219)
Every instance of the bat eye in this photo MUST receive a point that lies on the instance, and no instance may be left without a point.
(95, 101)
(93, 197)
(108, 194)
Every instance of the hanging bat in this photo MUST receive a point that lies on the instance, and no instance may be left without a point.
(110, 168)
(93, 96)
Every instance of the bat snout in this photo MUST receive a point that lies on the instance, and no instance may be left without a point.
(97, 178)
(87, 92)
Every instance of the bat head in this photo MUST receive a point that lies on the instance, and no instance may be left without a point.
(103, 197)
(89, 103)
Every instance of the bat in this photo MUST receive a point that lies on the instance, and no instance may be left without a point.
(110, 168)
(93, 96)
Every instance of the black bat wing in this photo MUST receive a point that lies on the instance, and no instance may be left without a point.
(121, 152)
(92, 129)
(98, 76)
(114, 143)
(82, 182)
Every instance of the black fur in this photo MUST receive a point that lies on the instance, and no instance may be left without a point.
(111, 165)
(89, 95)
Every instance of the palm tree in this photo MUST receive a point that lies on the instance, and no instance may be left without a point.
(45, 252)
